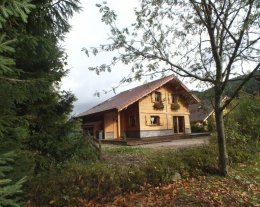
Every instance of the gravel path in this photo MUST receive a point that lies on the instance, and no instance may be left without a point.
(180, 143)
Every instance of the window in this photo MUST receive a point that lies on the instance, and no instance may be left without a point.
(110, 135)
(178, 124)
(157, 97)
(155, 120)
(132, 121)
(174, 98)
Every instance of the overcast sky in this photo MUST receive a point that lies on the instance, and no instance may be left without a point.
(88, 30)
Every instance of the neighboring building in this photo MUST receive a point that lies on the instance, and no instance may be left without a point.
(158, 108)
(201, 112)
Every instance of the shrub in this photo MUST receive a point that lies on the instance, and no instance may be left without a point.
(200, 160)
(99, 180)
(62, 188)
(163, 168)
(195, 128)
(130, 178)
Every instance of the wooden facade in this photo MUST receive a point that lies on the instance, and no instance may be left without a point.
(142, 119)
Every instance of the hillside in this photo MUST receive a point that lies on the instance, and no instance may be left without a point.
(251, 87)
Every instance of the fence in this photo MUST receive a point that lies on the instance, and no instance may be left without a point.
(96, 144)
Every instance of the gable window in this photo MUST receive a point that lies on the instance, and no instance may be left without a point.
(157, 96)
(175, 98)
(132, 121)
(155, 120)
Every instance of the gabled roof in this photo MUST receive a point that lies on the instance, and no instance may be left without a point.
(200, 112)
(126, 98)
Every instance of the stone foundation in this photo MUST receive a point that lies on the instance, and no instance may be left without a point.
(152, 133)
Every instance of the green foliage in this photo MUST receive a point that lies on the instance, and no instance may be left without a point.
(12, 8)
(34, 112)
(164, 168)
(9, 190)
(196, 128)
(201, 160)
(10, 125)
(103, 179)
(123, 150)
(16, 8)
(93, 180)
(161, 41)
(98, 180)
(243, 121)
(251, 87)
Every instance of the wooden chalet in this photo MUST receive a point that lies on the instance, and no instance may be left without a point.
(158, 108)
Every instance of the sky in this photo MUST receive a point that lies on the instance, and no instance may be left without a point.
(87, 31)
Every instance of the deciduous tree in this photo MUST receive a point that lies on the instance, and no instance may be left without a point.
(210, 41)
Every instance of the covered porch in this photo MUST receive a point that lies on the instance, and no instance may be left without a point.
(113, 124)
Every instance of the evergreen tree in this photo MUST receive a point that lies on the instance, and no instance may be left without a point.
(9, 191)
(42, 61)
(35, 113)
(13, 9)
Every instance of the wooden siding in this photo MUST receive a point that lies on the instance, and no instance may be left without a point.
(110, 124)
(166, 115)
(125, 114)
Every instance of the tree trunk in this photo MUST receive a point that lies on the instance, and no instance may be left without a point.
(223, 157)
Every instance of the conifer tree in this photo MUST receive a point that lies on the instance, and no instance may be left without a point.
(9, 190)
(42, 62)
(35, 113)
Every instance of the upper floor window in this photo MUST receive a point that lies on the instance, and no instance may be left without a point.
(157, 96)
(175, 98)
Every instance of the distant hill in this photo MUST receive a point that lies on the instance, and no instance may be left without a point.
(251, 87)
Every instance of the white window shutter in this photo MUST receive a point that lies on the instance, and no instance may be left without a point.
(153, 97)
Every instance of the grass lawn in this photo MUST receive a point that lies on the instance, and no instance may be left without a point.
(241, 188)
(136, 176)
(125, 155)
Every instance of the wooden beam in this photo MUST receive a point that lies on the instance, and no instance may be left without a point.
(118, 125)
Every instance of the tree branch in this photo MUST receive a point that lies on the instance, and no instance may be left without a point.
(250, 75)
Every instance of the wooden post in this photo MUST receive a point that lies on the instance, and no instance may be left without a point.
(99, 151)
(118, 125)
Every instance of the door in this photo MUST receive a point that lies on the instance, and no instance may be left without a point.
(178, 124)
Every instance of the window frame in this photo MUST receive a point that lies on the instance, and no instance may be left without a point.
(153, 123)
(175, 98)
(157, 96)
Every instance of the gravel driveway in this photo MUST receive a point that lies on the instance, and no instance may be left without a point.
(180, 143)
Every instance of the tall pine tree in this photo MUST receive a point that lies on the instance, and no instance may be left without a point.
(40, 111)
(10, 93)
(50, 136)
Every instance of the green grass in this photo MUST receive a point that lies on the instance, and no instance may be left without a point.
(111, 149)
(123, 169)
(248, 171)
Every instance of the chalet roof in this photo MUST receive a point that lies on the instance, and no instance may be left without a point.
(126, 98)
(200, 112)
